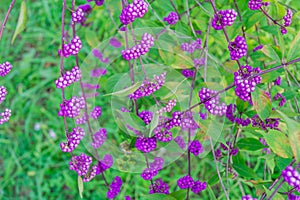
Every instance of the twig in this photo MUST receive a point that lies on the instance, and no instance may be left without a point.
(6, 17)
(217, 168)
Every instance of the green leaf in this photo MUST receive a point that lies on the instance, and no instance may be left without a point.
(126, 91)
(91, 38)
(21, 21)
(270, 52)
(244, 170)
(270, 29)
(261, 103)
(294, 48)
(241, 105)
(250, 144)
(293, 135)
(80, 186)
(279, 143)
(214, 179)
(211, 193)
(277, 196)
(179, 195)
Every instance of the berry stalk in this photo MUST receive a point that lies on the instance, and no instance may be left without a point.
(6, 17)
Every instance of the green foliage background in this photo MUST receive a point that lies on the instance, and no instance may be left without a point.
(31, 163)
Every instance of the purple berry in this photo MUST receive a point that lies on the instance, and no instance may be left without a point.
(248, 197)
(223, 18)
(140, 49)
(78, 15)
(244, 85)
(99, 138)
(159, 187)
(74, 139)
(258, 47)
(238, 48)
(288, 18)
(3, 93)
(149, 173)
(254, 4)
(185, 182)
(146, 116)
(148, 88)
(196, 147)
(198, 186)
(5, 68)
(172, 18)
(71, 108)
(180, 141)
(137, 9)
(80, 164)
(96, 112)
(5, 116)
(145, 145)
(213, 105)
(114, 188)
(68, 78)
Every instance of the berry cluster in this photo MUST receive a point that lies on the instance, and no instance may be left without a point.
(198, 186)
(280, 97)
(80, 164)
(145, 144)
(288, 18)
(97, 2)
(271, 123)
(137, 9)
(188, 73)
(146, 116)
(96, 112)
(238, 48)
(105, 163)
(3, 93)
(244, 84)
(192, 46)
(172, 18)
(5, 68)
(140, 49)
(68, 78)
(277, 81)
(162, 134)
(102, 165)
(170, 105)
(159, 187)
(213, 105)
(196, 147)
(71, 108)
(5, 115)
(78, 15)
(180, 141)
(258, 47)
(257, 4)
(188, 122)
(81, 120)
(248, 197)
(185, 182)
(71, 48)
(153, 169)
(188, 182)
(74, 139)
(114, 188)
(223, 18)
(198, 62)
(292, 177)
(99, 138)
(148, 88)
(239, 120)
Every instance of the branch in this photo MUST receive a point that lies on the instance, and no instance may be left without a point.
(6, 18)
